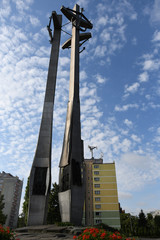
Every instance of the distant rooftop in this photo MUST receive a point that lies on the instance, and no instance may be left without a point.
(7, 175)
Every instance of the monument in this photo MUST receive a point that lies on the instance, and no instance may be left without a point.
(40, 176)
(71, 195)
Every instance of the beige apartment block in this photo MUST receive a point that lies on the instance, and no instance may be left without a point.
(101, 199)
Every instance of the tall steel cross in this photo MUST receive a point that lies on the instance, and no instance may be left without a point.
(71, 195)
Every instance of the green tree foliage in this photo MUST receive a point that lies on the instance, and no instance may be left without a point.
(142, 226)
(2, 216)
(129, 224)
(21, 220)
(142, 221)
(157, 221)
(25, 204)
(53, 206)
(157, 225)
(150, 225)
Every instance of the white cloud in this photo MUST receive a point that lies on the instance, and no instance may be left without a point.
(5, 10)
(133, 88)
(125, 145)
(128, 123)
(143, 171)
(105, 35)
(154, 13)
(127, 9)
(134, 41)
(156, 36)
(135, 138)
(83, 75)
(101, 22)
(82, 3)
(134, 160)
(22, 5)
(100, 79)
(64, 61)
(158, 130)
(34, 21)
(100, 51)
(149, 65)
(124, 195)
(126, 107)
(157, 135)
(143, 77)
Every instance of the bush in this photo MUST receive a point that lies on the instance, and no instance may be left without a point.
(7, 234)
(99, 234)
(106, 227)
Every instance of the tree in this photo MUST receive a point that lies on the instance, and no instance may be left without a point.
(157, 224)
(157, 221)
(2, 215)
(142, 224)
(21, 221)
(150, 225)
(129, 224)
(53, 206)
(26, 202)
(142, 221)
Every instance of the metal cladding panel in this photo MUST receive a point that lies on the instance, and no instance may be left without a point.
(65, 205)
(67, 144)
(37, 210)
(77, 204)
(71, 15)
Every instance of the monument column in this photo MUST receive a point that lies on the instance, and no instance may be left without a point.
(71, 195)
(40, 176)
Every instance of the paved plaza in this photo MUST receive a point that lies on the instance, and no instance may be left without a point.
(47, 232)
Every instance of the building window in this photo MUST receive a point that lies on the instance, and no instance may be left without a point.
(98, 206)
(96, 179)
(97, 199)
(96, 166)
(98, 214)
(98, 221)
(97, 185)
(96, 172)
(97, 192)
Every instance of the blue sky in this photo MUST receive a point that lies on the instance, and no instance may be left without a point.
(119, 90)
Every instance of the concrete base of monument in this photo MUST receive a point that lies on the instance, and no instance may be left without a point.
(48, 232)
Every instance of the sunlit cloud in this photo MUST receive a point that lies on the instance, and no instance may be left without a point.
(126, 107)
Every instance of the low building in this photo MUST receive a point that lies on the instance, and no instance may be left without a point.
(101, 200)
(11, 189)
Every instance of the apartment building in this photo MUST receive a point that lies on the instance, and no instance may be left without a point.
(101, 200)
(11, 188)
